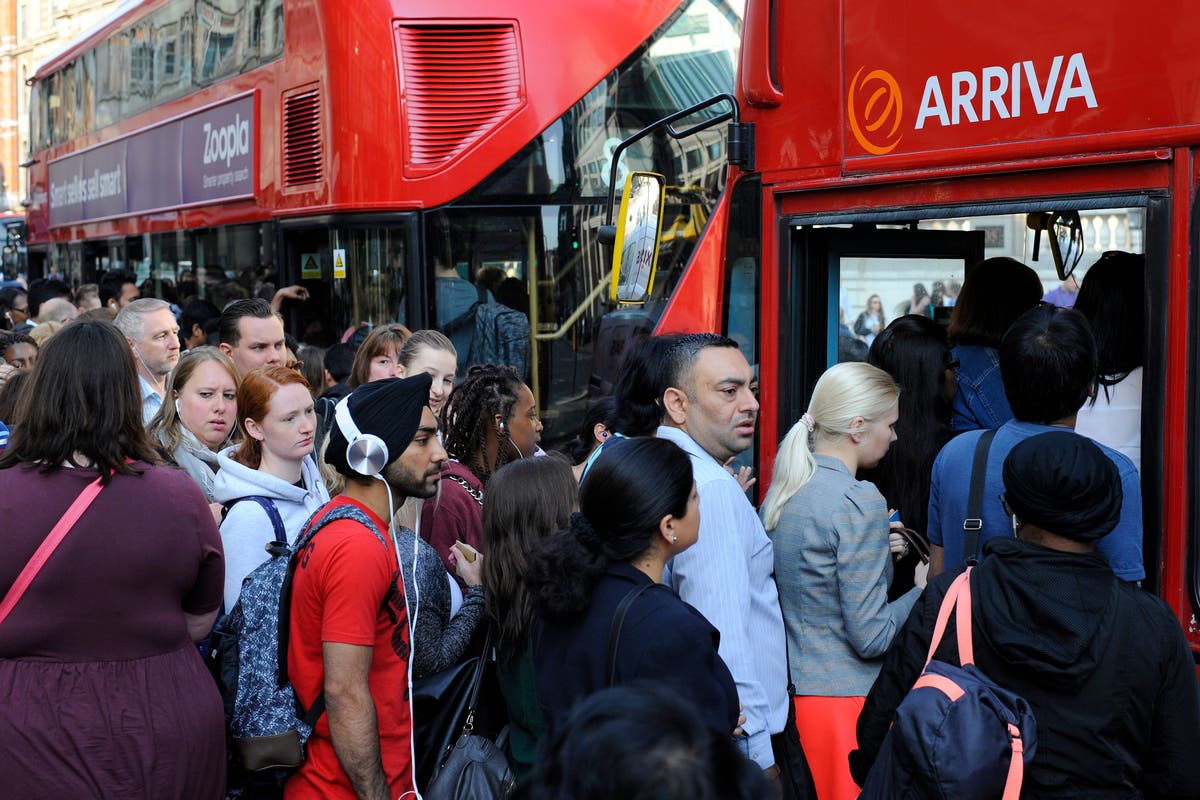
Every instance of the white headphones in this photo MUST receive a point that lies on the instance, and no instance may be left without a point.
(366, 453)
(177, 405)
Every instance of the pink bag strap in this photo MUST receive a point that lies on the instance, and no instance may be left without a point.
(47, 548)
(1016, 767)
(958, 598)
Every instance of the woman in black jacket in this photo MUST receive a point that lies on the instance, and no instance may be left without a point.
(638, 509)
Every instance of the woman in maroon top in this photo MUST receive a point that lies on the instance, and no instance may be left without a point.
(104, 693)
(489, 420)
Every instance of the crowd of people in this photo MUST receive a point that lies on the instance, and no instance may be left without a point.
(653, 633)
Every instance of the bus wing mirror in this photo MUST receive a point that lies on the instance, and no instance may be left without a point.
(1064, 231)
(639, 226)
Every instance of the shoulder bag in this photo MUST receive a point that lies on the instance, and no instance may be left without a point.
(47, 548)
(474, 766)
(973, 524)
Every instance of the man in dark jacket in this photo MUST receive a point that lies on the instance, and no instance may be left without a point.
(1103, 664)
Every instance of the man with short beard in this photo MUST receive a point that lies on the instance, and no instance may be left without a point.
(349, 635)
(708, 395)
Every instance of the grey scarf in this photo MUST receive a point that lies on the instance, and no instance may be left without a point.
(197, 461)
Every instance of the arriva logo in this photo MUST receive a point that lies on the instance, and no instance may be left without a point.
(998, 92)
(227, 142)
(995, 92)
(884, 103)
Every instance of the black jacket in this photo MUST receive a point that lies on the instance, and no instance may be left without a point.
(663, 640)
(1103, 664)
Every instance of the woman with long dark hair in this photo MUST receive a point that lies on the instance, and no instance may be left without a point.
(1113, 298)
(914, 351)
(994, 294)
(528, 500)
(638, 508)
(105, 693)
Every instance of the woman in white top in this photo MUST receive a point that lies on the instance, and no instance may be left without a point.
(274, 462)
(1113, 300)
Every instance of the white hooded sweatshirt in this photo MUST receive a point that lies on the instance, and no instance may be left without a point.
(247, 529)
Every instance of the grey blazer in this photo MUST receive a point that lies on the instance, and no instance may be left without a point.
(833, 566)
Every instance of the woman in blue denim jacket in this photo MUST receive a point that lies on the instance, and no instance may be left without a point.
(994, 294)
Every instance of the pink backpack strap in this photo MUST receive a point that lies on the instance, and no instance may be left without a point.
(961, 588)
(962, 623)
(1016, 767)
(47, 548)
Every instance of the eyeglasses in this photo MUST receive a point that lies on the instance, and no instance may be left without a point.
(24, 310)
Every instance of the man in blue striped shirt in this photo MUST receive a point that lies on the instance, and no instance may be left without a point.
(710, 410)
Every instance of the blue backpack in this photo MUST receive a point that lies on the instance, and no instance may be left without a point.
(957, 734)
(267, 725)
(501, 337)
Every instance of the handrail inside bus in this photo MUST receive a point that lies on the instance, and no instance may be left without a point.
(601, 286)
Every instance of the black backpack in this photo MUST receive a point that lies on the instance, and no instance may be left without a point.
(957, 733)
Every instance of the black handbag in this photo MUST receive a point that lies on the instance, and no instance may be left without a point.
(456, 714)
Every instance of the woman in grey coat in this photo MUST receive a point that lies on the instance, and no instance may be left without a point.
(833, 561)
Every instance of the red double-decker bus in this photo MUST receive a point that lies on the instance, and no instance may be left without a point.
(900, 143)
(385, 155)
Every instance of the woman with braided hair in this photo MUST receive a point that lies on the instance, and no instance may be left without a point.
(638, 508)
(489, 420)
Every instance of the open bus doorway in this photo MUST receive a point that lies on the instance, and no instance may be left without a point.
(838, 262)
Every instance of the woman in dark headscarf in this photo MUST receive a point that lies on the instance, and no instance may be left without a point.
(1103, 664)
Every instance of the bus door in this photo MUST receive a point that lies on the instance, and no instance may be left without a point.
(836, 270)
(916, 262)
(360, 271)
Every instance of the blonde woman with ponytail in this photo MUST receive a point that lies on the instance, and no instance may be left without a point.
(833, 561)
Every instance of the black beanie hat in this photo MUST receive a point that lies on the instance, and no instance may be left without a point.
(1063, 483)
(390, 409)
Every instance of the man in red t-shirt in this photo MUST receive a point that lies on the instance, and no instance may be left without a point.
(349, 631)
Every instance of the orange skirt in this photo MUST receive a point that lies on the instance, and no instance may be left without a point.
(826, 726)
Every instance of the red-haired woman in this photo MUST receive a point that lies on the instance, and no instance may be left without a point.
(272, 471)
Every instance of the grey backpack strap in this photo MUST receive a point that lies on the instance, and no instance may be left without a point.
(315, 523)
(973, 524)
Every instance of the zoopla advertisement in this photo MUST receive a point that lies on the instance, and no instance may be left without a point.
(204, 157)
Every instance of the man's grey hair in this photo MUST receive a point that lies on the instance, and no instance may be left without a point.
(55, 310)
(131, 320)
